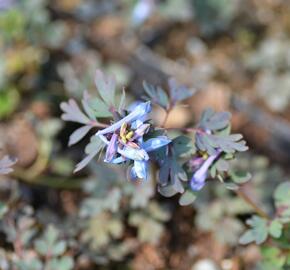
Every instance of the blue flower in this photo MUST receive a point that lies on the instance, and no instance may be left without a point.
(124, 140)
(198, 179)
(140, 168)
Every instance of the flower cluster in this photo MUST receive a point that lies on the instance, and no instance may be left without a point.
(184, 162)
(125, 141)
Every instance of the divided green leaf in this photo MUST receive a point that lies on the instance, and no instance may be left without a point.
(157, 95)
(106, 86)
(228, 144)
(182, 145)
(178, 92)
(187, 198)
(170, 176)
(92, 149)
(99, 108)
(258, 232)
(213, 121)
(282, 200)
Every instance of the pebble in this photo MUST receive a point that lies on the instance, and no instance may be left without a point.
(205, 264)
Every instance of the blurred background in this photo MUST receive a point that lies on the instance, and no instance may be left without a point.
(235, 54)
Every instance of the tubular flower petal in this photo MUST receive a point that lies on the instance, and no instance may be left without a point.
(133, 174)
(140, 131)
(112, 148)
(155, 143)
(141, 169)
(138, 112)
(134, 154)
(198, 179)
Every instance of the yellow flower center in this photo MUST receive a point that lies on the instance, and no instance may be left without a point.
(125, 134)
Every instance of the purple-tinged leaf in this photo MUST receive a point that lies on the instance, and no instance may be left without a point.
(164, 172)
(157, 95)
(99, 108)
(85, 161)
(87, 108)
(182, 145)
(178, 92)
(78, 134)
(170, 176)
(176, 183)
(95, 143)
(227, 143)
(214, 121)
(106, 86)
(73, 113)
(92, 149)
(122, 102)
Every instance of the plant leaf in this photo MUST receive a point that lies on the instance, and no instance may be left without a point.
(99, 108)
(228, 143)
(182, 145)
(178, 92)
(85, 102)
(240, 177)
(258, 231)
(188, 197)
(282, 199)
(247, 237)
(275, 228)
(92, 149)
(157, 95)
(214, 121)
(170, 176)
(106, 86)
(78, 134)
(73, 113)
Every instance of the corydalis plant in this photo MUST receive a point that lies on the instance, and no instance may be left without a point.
(129, 136)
